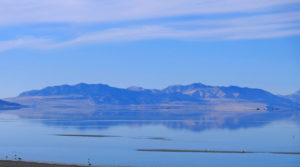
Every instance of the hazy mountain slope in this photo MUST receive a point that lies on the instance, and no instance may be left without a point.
(193, 93)
(4, 105)
(294, 97)
(201, 91)
(104, 94)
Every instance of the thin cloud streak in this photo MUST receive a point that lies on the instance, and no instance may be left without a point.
(149, 33)
(262, 19)
(241, 28)
(200, 34)
(83, 11)
(29, 43)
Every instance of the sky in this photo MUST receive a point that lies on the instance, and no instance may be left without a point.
(149, 43)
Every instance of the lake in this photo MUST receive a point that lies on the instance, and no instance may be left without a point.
(118, 141)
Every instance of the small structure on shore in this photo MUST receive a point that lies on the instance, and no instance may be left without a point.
(89, 163)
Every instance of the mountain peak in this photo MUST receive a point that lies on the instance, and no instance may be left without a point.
(135, 88)
(196, 84)
(185, 89)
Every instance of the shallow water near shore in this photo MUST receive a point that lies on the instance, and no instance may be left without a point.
(115, 142)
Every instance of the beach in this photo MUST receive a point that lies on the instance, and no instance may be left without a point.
(10, 163)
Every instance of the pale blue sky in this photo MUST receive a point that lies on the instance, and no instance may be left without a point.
(151, 44)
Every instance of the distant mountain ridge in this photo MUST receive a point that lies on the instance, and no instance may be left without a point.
(294, 97)
(193, 93)
(201, 91)
(4, 105)
(104, 94)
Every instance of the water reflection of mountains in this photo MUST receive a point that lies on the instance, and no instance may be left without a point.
(200, 122)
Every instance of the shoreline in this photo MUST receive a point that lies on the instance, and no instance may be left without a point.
(213, 151)
(81, 135)
(15, 163)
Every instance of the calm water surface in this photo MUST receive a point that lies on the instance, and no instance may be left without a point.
(36, 140)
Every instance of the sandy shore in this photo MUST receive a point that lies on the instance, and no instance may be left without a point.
(10, 163)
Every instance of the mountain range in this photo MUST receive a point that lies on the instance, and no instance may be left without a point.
(194, 101)
(294, 97)
(4, 105)
(196, 93)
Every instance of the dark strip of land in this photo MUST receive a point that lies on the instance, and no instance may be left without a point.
(200, 151)
(77, 135)
(81, 135)
(159, 138)
(285, 153)
(213, 151)
(9, 163)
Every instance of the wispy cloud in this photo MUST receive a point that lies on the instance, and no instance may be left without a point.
(30, 43)
(261, 23)
(260, 19)
(53, 11)
(158, 32)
